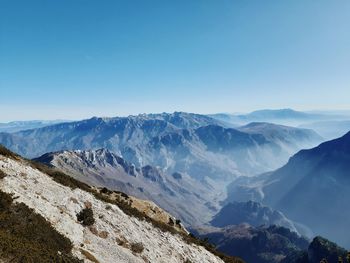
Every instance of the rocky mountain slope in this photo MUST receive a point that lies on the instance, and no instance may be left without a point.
(264, 244)
(99, 229)
(191, 201)
(273, 244)
(312, 188)
(320, 249)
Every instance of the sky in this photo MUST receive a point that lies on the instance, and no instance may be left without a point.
(73, 59)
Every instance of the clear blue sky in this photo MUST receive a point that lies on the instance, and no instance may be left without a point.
(79, 58)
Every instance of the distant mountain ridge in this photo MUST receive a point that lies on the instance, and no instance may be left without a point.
(279, 116)
(16, 126)
(119, 130)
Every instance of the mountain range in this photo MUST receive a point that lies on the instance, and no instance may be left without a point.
(179, 142)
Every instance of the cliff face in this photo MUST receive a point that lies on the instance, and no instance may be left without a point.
(318, 250)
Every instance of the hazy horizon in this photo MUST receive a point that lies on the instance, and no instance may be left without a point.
(88, 116)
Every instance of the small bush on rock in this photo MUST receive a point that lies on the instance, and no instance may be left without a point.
(2, 175)
(86, 217)
(137, 248)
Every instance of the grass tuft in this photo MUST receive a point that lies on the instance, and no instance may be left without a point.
(7, 153)
(137, 248)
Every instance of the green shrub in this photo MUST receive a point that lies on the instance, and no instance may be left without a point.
(86, 217)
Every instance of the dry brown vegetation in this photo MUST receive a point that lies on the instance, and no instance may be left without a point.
(89, 256)
(27, 237)
(7, 153)
(2, 174)
(137, 248)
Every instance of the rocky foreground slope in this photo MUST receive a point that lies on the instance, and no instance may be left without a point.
(114, 235)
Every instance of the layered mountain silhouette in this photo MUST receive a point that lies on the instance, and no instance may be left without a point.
(312, 188)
